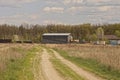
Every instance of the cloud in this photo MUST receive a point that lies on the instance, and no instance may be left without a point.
(51, 22)
(97, 1)
(74, 8)
(19, 18)
(72, 1)
(2, 21)
(14, 3)
(104, 8)
(53, 1)
(11, 17)
(59, 11)
(34, 16)
(54, 9)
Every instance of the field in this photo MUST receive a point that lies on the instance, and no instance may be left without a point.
(108, 55)
(101, 60)
(59, 62)
(15, 61)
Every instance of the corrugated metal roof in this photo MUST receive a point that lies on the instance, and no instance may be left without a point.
(56, 34)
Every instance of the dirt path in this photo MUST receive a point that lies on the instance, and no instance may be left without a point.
(48, 70)
(85, 74)
(37, 71)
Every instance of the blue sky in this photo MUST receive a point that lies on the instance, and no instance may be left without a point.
(59, 11)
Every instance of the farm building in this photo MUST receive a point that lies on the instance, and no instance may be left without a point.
(114, 40)
(56, 38)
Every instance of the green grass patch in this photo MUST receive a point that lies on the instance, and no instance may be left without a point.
(65, 72)
(92, 66)
(36, 65)
(20, 68)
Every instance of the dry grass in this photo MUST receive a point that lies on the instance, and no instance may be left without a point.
(8, 53)
(107, 55)
(15, 61)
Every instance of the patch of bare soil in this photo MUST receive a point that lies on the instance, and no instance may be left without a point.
(48, 70)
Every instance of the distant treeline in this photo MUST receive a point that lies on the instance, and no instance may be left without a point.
(34, 32)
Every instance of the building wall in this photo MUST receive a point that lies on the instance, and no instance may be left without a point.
(118, 42)
(55, 39)
(114, 42)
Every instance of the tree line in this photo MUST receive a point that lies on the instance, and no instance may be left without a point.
(34, 32)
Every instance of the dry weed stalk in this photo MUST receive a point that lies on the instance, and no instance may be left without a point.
(108, 55)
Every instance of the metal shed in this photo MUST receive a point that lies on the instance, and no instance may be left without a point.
(56, 38)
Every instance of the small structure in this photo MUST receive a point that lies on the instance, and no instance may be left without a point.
(56, 38)
(114, 40)
(99, 42)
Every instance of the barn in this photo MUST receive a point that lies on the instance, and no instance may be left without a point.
(56, 38)
(114, 40)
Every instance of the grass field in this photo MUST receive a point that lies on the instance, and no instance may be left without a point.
(23, 61)
(102, 60)
(15, 62)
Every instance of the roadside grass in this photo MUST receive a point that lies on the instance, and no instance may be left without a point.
(37, 70)
(19, 68)
(65, 72)
(92, 65)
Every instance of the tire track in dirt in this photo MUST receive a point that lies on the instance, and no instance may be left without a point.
(83, 73)
(48, 70)
(37, 71)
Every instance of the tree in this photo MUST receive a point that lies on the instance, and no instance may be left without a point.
(15, 38)
(82, 31)
(100, 33)
(117, 33)
(93, 37)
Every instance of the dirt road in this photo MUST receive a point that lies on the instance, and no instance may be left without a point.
(44, 70)
(48, 71)
(37, 71)
(85, 74)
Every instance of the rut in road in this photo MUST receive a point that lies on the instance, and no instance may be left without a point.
(83, 73)
(48, 70)
(37, 67)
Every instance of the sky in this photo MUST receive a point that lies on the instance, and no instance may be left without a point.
(59, 11)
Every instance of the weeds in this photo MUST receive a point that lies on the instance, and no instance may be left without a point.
(17, 62)
(66, 72)
(93, 65)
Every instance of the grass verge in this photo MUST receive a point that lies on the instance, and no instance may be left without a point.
(92, 66)
(66, 72)
(20, 68)
(37, 69)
